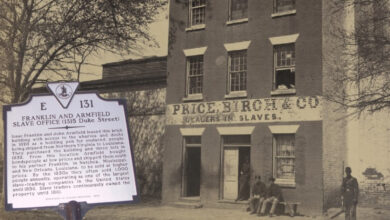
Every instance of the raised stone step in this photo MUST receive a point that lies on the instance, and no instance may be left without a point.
(189, 205)
(193, 199)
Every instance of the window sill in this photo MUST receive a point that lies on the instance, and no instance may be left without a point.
(237, 21)
(284, 92)
(194, 97)
(196, 27)
(283, 13)
(239, 94)
(288, 183)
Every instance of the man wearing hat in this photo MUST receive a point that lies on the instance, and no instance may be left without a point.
(349, 194)
(274, 196)
(257, 196)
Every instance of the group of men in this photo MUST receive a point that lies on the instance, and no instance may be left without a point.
(262, 195)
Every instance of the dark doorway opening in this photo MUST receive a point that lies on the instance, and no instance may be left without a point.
(192, 172)
(244, 174)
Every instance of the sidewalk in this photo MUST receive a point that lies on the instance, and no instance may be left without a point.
(172, 213)
(159, 212)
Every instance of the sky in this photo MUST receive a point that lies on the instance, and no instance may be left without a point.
(158, 29)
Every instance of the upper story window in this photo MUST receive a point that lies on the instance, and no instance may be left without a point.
(284, 66)
(197, 10)
(238, 9)
(281, 6)
(194, 75)
(237, 70)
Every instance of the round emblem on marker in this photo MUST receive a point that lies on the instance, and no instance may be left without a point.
(63, 91)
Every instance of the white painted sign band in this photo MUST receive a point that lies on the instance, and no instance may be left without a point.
(278, 109)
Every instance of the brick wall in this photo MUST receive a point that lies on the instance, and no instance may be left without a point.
(334, 121)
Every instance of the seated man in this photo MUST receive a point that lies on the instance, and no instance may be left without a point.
(257, 196)
(274, 196)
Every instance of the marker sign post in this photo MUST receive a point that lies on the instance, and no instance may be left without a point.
(67, 147)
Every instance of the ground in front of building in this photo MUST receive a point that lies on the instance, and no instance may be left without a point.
(153, 210)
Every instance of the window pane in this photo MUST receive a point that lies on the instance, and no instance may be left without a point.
(238, 9)
(285, 79)
(198, 2)
(285, 156)
(198, 16)
(285, 168)
(192, 139)
(285, 55)
(195, 85)
(284, 5)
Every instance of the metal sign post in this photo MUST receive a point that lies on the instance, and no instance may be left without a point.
(67, 152)
(73, 210)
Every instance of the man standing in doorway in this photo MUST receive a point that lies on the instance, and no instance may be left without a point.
(243, 190)
(274, 196)
(349, 194)
(257, 196)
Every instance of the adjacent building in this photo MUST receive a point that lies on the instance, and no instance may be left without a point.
(246, 79)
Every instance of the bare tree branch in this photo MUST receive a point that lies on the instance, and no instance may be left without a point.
(365, 72)
(56, 36)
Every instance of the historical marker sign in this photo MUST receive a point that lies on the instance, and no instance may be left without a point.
(67, 146)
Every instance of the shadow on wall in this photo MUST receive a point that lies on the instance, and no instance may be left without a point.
(176, 176)
(333, 199)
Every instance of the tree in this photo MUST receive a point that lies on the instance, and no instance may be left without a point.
(363, 73)
(38, 37)
(146, 111)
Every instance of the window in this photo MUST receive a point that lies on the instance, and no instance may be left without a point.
(193, 141)
(237, 71)
(238, 9)
(283, 5)
(194, 75)
(284, 157)
(197, 12)
(284, 67)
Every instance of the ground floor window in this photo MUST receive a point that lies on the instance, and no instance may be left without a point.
(284, 157)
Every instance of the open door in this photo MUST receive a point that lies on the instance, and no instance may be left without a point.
(230, 171)
(192, 172)
(192, 166)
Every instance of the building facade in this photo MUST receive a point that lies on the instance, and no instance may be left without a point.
(245, 81)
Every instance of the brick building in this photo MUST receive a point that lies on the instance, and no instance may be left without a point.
(246, 79)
